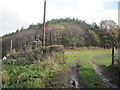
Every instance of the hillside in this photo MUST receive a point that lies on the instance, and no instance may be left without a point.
(68, 32)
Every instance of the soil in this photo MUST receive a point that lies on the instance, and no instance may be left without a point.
(113, 72)
(109, 75)
(70, 78)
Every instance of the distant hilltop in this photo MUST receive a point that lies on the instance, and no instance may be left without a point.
(67, 32)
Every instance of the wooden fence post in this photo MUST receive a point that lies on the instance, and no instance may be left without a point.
(112, 55)
(11, 47)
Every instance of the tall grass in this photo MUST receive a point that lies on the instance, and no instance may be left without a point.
(40, 74)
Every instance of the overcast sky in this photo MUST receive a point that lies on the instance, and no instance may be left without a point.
(15, 14)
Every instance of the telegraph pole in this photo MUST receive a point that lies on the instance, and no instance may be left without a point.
(11, 47)
(43, 44)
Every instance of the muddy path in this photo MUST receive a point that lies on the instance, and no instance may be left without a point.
(100, 72)
(70, 78)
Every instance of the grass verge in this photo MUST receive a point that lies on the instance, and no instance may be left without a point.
(41, 74)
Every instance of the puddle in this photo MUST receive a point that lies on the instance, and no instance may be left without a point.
(104, 78)
(75, 81)
(70, 78)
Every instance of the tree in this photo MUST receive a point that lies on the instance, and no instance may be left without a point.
(94, 39)
(57, 32)
(17, 30)
(22, 29)
(108, 24)
(68, 42)
(112, 27)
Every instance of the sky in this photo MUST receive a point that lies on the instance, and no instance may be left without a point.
(15, 14)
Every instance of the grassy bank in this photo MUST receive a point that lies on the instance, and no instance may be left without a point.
(30, 71)
(39, 75)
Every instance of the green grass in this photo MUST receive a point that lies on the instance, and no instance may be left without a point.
(38, 75)
(71, 59)
(85, 71)
(103, 58)
(45, 73)
(87, 74)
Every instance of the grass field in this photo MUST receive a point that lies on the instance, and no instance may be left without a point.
(85, 71)
(45, 73)
(103, 58)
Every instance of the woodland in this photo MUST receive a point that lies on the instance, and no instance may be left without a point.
(67, 32)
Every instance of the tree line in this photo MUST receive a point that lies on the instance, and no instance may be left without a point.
(67, 32)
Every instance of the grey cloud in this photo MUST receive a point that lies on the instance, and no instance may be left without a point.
(9, 22)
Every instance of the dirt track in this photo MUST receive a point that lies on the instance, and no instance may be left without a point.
(70, 78)
(105, 78)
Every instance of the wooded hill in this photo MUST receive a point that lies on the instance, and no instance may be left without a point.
(68, 32)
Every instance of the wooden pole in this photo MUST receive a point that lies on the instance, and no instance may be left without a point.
(11, 47)
(44, 23)
(112, 55)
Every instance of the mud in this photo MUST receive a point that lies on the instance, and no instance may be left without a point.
(70, 78)
(102, 76)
